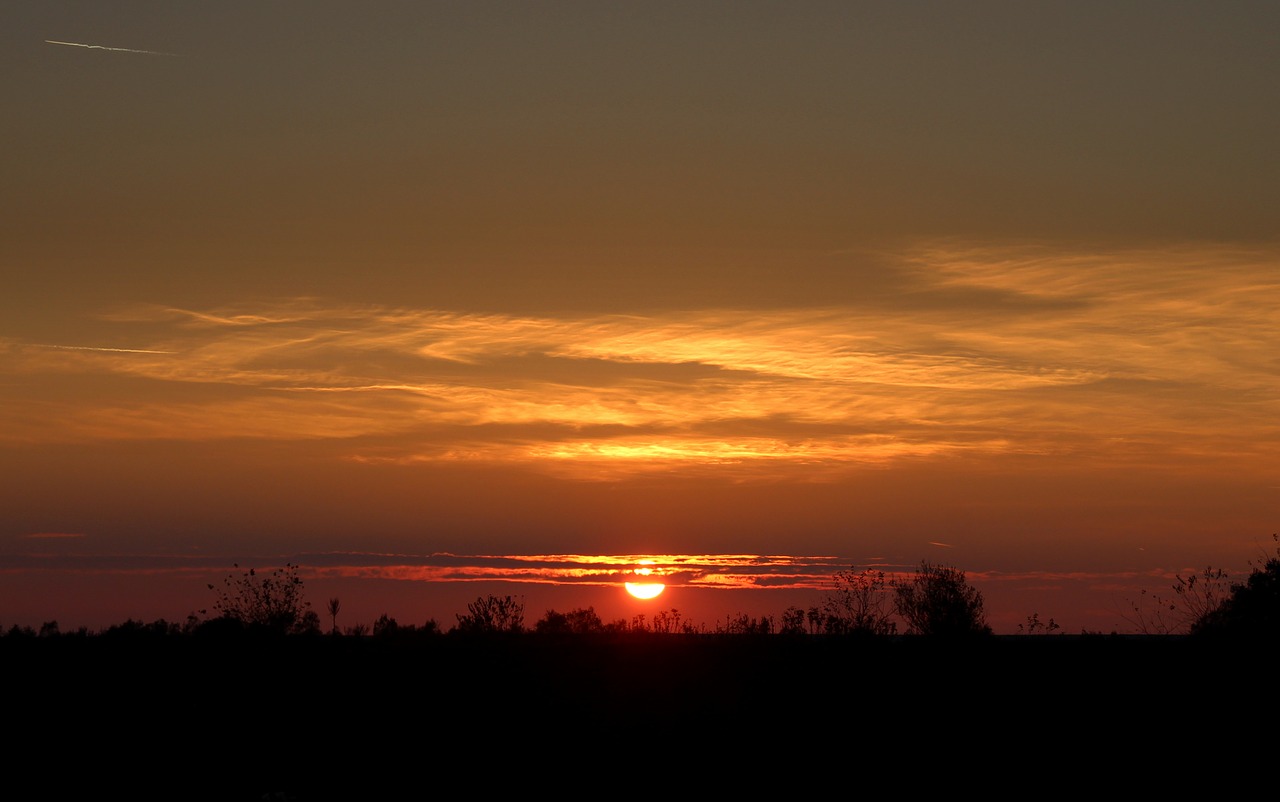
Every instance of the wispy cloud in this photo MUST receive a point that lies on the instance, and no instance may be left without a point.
(722, 571)
(699, 571)
(1138, 356)
(461, 576)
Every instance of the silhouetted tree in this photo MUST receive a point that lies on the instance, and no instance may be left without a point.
(1194, 598)
(1253, 607)
(24, 632)
(490, 614)
(861, 604)
(743, 624)
(575, 622)
(552, 623)
(137, 630)
(666, 622)
(938, 601)
(308, 624)
(385, 626)
(1035, 626)
(273, 601)
(334, 607)
(792, 621)
(816, 618)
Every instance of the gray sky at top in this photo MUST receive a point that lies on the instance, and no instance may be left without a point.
(609, 156)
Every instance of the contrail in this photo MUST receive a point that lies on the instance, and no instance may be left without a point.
(115, 49)
(92, 348)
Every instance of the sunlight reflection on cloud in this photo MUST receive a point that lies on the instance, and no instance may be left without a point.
(1143, 352)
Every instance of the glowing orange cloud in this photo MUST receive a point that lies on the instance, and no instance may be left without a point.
(1144, 356)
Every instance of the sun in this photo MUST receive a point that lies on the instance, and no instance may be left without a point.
(644, 590)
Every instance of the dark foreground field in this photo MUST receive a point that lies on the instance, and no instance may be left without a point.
(351, 718)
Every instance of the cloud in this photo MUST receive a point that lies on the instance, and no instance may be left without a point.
(721, 571)
(706, 570)
(1143, 357)
(697, 571)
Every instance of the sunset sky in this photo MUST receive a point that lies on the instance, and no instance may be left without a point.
(438, 299)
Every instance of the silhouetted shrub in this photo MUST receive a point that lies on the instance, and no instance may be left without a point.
(743, 624)
(1253, 607)
(220, 628)
(861, 604)
(792, 621)
(1035, 626)
(333, 607)
(1194, 598)
(274, 601)
(137, 630)
(492, 614)
(582, 621)
(939, 602)
(308, 624)
(16, 631)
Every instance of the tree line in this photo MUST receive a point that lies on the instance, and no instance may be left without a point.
(936, 601)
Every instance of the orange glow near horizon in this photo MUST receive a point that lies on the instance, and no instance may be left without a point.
(710, 572)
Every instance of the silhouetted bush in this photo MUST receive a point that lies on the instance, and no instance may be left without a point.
(792, 621)
(1253, 607)
(938, 601)
(743, 624)
(1034, 626)
(385, 626)
(582, 621)
(137, 630)
(1194, 598)
(220, 628)
(492, 614)
(861, 604)
(275, 601)
(308, 624)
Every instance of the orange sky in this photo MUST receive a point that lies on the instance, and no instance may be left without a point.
(357, 287)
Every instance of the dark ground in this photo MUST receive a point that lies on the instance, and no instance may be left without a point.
(365, 718)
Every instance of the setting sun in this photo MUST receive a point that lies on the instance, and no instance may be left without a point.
(645, 590)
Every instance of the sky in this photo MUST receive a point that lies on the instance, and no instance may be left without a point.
(444, 299)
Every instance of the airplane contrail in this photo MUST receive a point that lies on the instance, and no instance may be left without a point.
(115, 49)
(93, 348)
